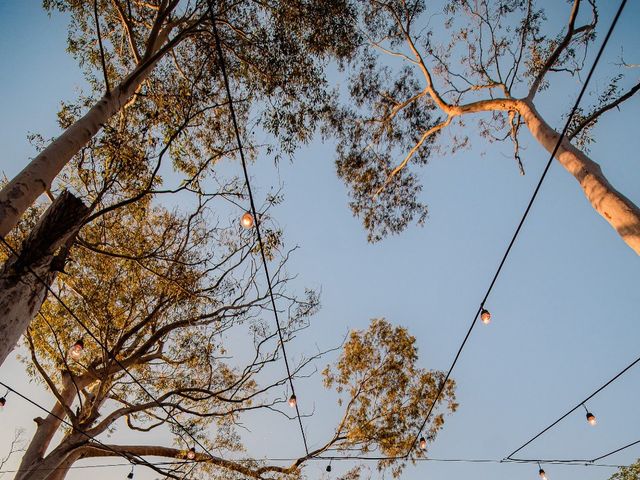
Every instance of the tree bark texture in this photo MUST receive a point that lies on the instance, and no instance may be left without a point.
(21, 291)
(620, 212)
(37, 176)
(46, 430)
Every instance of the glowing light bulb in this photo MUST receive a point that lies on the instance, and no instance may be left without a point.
(247, 220)
(191, 454)
(3, 402)
(542, 474)
(422, 443)
(328, 468)
(76, 351)
(485, 316)
(591, 418)
(293, 401)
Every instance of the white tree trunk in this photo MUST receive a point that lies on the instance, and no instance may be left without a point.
(621, 213)
(22, 292)
(37, 176)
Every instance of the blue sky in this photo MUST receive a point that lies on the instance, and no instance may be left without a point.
(565, 309)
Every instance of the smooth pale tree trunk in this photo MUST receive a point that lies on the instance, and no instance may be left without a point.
(37, 176)
(621, 213)
(43, 252)
(45, 431)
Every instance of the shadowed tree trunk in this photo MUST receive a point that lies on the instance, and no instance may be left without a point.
(43, 254)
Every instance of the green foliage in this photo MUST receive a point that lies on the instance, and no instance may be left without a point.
(385, 393)
(632, 472)
(418, 62)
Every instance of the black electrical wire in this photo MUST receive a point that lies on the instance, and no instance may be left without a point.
(549, 427)
(617, 450)
(254, 212)
(524, 216)
(576, 463)
(127, 456)
(108, 352)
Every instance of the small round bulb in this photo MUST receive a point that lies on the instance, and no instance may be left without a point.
(191, 454)
(247, 220)
(591, 418)
(423, 443)
(542, 474)
(130, 476)
(328, 468)
(293, 401)
(76, 351)
(485, 316)
(3, 402)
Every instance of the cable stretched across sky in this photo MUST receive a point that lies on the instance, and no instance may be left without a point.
(293, 399)
(577, 407)
(133, 459)
(481, 309)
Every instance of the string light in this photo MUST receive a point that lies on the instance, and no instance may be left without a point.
(191, 454)
(328, 469)
(76, 351)
(234, 121)
(485, 316)
(3, 402)
(247, 220)
(591, 418)
(423, 443)
(130, 476)
(542, 473)
(293, 401)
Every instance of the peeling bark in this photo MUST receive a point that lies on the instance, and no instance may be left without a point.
(21, 292)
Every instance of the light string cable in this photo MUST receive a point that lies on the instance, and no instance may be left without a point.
(584, 462)
(524, 216)
(131, 458)
(576, 463)
(255, 214)
(108, 352)
(577, 407)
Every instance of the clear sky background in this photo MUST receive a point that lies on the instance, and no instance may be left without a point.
(565, 309)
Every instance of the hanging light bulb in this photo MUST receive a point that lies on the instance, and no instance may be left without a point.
(247, 220)
(76, 351)
(293, 401)
(423, 443)
(485, 316)
(542, 474)
(328, 468)
(191, 454)
(130, 476)
(3, 402)
(591, 418)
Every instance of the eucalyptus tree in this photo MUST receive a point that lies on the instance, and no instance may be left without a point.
(158, 54)
(163, 293)
(156, 93)
(430, 67)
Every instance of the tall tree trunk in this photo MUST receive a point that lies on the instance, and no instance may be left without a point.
(22, 292)
(33, 458)
(61, 472)
(621, 213)
(37, 176)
